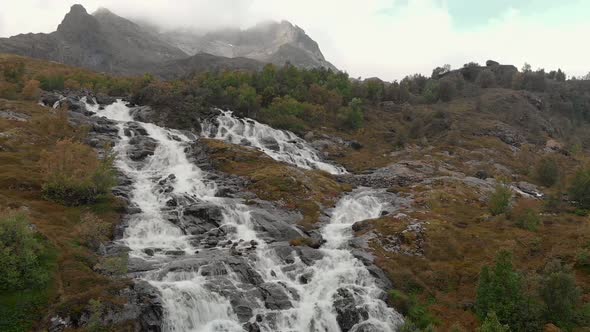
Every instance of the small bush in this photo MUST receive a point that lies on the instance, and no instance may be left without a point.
(499, 201)
(447, 90)
(580, 188)
(51, 82)
(526, 215)
(8, 90)
(486, 79)
(13, 72)
(95, 323)
(431, 91)
(92, 231)
(416, 313)
(491, 324)
(74, 175)
(560, 293)
(31, 90)
(547, 172)
(114, 265)
(21, 255)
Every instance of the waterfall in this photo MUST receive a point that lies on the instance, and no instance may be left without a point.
(280, 145)
(214, 270)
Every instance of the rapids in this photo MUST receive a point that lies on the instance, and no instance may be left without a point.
(241, 280)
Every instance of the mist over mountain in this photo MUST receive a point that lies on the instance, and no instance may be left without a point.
(107, 42)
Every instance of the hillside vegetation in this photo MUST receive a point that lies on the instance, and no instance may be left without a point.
(469, 252)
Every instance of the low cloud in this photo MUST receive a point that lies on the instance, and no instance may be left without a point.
(364, 38)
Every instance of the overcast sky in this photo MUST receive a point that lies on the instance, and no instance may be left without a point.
(384, 38)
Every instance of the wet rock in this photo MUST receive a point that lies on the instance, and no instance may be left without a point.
(50, 98)
(135, 129)
(75, 106)
(270, 143)
(365, 257)
(103, 99)
(275, 296)
(202, 217)
(141, 147)
(149, 305)
(529, 189)
(347, 313)
(174, 252)
(273, 226)
(246, 273)
(309, 255)
(251, 327)
(136, 264)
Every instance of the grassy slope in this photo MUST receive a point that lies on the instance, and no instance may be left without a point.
(460, 236)
(74, 281)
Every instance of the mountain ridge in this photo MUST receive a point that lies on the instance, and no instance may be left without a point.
(106, 42)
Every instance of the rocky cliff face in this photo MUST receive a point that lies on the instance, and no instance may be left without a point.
(106, 42)
(103, 42)
(273, 42)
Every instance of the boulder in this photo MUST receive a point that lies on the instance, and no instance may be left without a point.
(141, 147)
(347, 312)
(492, 63)
(275, 296)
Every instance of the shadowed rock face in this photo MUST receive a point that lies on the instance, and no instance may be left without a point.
(272, 42)
(106, 42)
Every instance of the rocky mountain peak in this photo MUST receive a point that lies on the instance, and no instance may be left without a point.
(78, 9)
(77, 23)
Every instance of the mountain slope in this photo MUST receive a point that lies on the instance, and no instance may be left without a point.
(104, 42)
(273, 42)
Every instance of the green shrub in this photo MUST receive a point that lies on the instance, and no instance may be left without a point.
(13, 72)
(560, 294)
(95, 323)
(417, 314)
(526, 215)
(52, 82)
(491, 324)
(500, 290)
(22, 255)
(447, 89)
(114, 265)
(74, 175)
(92, 231)
(580, 188)
(547, 172)
(431, 91)
(499, 201)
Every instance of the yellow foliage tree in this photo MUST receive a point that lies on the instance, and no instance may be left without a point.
(31, 90)
(73, 173)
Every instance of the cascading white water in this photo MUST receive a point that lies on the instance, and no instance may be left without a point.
(280, 145)
(337, 270)
(188, 305)
(197, 300)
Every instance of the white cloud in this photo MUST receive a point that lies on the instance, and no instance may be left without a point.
(356, 36)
